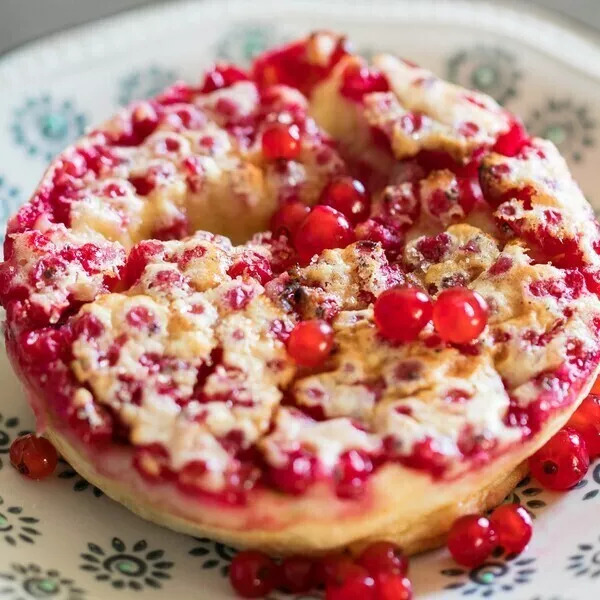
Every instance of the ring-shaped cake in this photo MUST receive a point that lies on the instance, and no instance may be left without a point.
(153, 281)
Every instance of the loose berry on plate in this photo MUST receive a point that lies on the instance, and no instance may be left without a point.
(288, 217)
(351, 581)
(323, 228)
(349, 197)
(459, 315)
(298, 574)
(513, 526)
(401, 313)
(281, 141)
(33, 456)
(310, 342)
(471, 540)
(586, 422)
(383, 556)
(253, 574)
(392, 586)
(562, 462)
(328, 566)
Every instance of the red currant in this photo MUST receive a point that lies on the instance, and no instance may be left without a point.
(470, 193)
(222, 76)
(401, 313)
(586, 422)
(513, 526)
(510, 142)
(383, 556)
(359, 80)
(281, 141)
(323, 228)
(44, 345)
(328, 566)
(255, 266)
(392, 586)
(349, 197)
(310, 342)
(33, 456)
(353, 469)
(297, 475)
(562, 462)
(351, 581)
(252, 574)
(298, 574)
(144, 120)
(288, 217)
(459, 315)
(471, 540)
(391, 238)
(299, 64)
(178, 93)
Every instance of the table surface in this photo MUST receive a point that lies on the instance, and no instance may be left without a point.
(24, 20)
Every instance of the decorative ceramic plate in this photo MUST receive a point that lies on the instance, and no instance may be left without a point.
(62, 538)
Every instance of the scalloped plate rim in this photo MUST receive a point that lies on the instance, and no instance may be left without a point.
(563, 38)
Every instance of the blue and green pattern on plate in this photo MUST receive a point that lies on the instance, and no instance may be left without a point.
(44, 125)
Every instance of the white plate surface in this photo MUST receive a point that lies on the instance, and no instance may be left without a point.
(62, 539)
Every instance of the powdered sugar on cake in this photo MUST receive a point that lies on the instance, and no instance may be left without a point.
(148, 312)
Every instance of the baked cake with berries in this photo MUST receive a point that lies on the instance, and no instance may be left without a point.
(305, 306)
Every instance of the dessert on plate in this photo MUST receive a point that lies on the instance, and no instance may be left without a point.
(311, 305)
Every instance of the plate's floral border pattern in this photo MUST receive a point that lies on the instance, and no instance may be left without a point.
(10, 200)
(65, 471)
(136, 567)
(491, 69)
(144, 83)
(117, 563)
(242, 43)
(16, 527)
(42, 125)
(498, 574)
(568, 123)
(213, 555)
(586, 561)
(24, 581)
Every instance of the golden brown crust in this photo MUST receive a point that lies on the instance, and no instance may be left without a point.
(410, 509)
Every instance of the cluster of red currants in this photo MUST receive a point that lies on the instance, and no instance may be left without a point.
(564, 460)
(459, 314)
(473, 537)
(343, 204)
(558, 465)
(378, 573)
